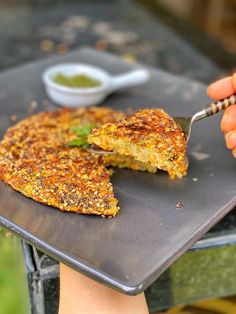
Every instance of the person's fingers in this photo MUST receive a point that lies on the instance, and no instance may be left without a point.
(234, 81)
(219, 90)
(230, 139)
(234, 153)
(222, 88)
(228, 122)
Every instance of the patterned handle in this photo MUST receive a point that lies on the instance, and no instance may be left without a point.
(219, 105)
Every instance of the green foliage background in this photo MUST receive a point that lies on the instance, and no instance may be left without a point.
(13, 281)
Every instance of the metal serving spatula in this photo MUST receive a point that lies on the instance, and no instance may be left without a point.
(186, 122)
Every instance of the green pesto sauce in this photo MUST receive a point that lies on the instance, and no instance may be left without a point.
(77, 81)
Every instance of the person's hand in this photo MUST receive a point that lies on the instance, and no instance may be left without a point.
(219, 90)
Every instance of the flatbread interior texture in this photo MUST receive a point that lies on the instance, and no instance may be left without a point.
(35, 159)
(150, 136)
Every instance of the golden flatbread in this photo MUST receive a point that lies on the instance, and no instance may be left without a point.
(35, 159)
(150, 137)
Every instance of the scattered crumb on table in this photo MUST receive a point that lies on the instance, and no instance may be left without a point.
(179, 205)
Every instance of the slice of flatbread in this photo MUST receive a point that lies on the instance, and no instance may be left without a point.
(35, 159)
(150, 136)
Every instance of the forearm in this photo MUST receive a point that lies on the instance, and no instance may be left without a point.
(79, 294)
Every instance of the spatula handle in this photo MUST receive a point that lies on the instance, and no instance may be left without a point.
(220, 105)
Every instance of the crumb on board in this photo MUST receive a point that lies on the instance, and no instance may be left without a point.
(13, 117)
(179, 205)
(34, 104)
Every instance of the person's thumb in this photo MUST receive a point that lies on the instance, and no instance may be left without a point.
(234, 80)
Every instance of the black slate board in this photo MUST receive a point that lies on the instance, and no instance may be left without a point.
(129, 252)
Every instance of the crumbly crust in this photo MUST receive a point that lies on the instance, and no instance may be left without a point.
(36, 161)
(150, 136)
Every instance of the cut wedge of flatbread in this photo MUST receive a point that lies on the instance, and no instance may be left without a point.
(150, 136)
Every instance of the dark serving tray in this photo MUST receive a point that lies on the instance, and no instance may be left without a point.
(128, 252)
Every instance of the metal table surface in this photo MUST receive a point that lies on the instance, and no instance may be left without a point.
(127, 253)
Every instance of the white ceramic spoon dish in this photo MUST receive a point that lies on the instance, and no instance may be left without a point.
(76, 97)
